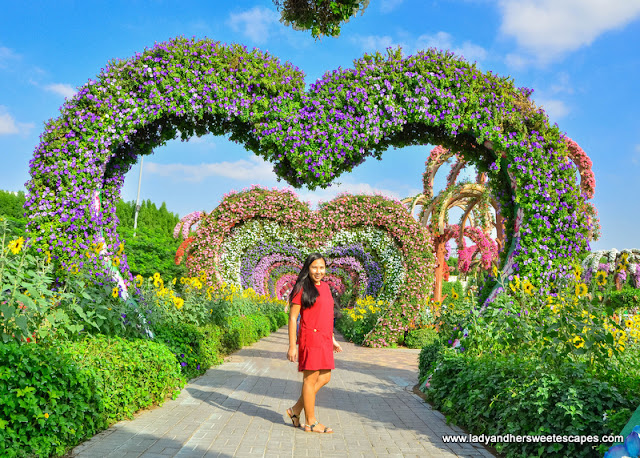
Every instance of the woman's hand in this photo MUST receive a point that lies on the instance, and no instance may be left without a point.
(336, 346)
(292, 354)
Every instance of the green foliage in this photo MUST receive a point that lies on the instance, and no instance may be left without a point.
(495, 395)
(322, 17)
(129, 374)
(357, 322)
(418, 338)
(151, 251)
(12, 204)
(627, 298)
(428, 358)
(157, 220)
(12, 213)
(153, 248)
(47, 403)
(195, 348)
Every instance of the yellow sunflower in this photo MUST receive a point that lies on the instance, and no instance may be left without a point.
(16, 245)
(528, 287)
(454, 295)
(495, 271)
(581, 290)
(116, 261)
(578, 341)
(115, 292)
(601, 278)
(577, 272)
(139, 280)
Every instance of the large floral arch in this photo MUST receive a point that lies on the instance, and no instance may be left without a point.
(183, 88)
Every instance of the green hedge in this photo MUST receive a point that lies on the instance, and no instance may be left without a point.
(46, 401)
(129, 374)
(498, 395)
(53, 398)
(418, 338)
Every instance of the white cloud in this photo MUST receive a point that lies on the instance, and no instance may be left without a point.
(386, 6)
(444, 40)
(547, 29)
(325, 195)
(9, 126)
(65, 90)
(254, 169)
(256, 23)
(556, 109)
(635, 156)
(6, 56)
(440, 40)
(370, 43)
(206, 141)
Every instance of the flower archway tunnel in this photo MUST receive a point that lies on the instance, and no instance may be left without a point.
(184, 88)
(259, 238)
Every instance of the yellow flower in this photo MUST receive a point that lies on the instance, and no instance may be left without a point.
(115, 292)
(16, 245)
(73, 269)
(581, 290)
(173, 282)
(48, 253)
(197, 283)
(601, 278)
(156, 276)
(454, 295)
(178, 302)
(528, 287)
(495, 271)
(116, 261)
(578, 341)
(120, 249)
(577, 272)
(46, 415)
(139, 280)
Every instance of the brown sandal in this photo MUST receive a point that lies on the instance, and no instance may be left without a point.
(311, 428)
(294, 418)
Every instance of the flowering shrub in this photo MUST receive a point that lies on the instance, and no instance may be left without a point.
(623, 265)
(357, 322)
(183, 228)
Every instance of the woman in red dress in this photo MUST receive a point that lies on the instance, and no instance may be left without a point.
(312, 300)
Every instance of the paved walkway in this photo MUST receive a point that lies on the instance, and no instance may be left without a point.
(236, 409)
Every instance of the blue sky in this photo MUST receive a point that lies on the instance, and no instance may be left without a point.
(580, 56)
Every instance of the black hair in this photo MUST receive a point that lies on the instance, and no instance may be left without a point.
(303, 282)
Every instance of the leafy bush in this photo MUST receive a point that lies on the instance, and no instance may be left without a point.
(47, 403)
(129, 375)
(355, 323)
(418, 338)
(241, 331)
(497, 395)
(428, 358)
(195, 348)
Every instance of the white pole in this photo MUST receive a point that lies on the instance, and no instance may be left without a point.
(135, 218)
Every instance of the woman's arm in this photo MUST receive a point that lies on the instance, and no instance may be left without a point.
(294, 311)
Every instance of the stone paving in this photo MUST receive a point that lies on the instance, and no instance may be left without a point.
(236, 409)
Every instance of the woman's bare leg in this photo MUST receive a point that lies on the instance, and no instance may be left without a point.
(318, 380)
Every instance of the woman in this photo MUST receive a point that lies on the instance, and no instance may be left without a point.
(311, 299)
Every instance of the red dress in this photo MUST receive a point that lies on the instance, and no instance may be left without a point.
(315, 340)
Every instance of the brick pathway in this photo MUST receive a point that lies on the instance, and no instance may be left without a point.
(236, 409)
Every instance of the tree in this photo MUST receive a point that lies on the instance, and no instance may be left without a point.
(322, 17)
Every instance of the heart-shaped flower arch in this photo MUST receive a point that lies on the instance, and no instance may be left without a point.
(249, 231)
(194, 87)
